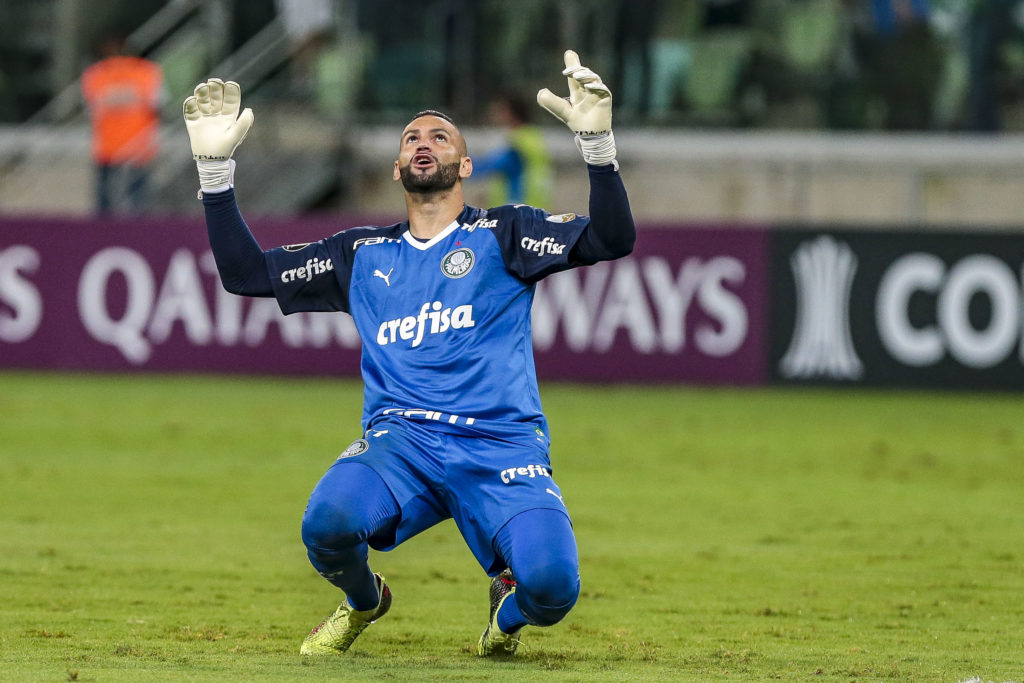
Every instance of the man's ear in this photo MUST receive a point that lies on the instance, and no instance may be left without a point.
(397, 174)
(465, 167)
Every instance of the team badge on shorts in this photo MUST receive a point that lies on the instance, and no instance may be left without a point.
(457, 263)
(357, 447)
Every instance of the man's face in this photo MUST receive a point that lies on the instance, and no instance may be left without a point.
(431, 156)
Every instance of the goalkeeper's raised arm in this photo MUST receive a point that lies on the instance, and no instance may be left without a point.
(587, 111)
(215, 129)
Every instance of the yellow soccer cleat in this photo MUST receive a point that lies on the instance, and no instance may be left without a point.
(493, 641)
(337, 632)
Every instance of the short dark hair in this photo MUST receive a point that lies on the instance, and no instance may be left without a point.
(434, 112)
(441, 115)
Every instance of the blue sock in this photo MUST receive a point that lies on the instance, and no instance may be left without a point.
(510, 618)
(361, 599)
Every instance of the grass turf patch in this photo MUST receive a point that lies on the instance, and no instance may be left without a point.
(151, 531)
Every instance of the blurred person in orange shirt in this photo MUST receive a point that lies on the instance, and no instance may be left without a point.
(123, 94)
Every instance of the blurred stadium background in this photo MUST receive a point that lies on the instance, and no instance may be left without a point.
(827, 190)
(737, 109)
(828, 195)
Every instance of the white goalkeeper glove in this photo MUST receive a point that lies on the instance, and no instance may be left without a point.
(587, 111)
(215, 130)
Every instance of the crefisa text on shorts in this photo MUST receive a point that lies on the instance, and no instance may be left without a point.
(531, 471)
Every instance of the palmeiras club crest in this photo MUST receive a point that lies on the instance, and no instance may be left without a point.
(458, 262)
(357, 447)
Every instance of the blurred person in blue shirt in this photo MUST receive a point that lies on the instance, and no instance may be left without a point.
(520, 170)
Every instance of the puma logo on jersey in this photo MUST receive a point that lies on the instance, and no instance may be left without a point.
(382, 276)
(433, 318)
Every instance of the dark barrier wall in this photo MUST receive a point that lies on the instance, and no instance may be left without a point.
(688, 306)
(898, 308)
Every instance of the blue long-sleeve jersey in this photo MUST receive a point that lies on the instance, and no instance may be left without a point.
(445, 323)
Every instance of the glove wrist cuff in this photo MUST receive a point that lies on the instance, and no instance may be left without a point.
(216, 176)
(597, 150)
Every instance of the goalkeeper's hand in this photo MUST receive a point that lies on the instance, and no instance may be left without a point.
(215, 129)
(587, 111)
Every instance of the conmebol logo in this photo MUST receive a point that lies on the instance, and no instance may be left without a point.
(822, 344)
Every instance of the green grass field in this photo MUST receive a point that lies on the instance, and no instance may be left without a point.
(150, 531)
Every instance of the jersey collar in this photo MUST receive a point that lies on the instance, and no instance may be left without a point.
(454, 225)
(423, 246)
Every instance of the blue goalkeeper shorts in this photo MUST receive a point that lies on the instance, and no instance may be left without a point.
(435, 471)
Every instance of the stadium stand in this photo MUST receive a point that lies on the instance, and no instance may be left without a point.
(740, 124)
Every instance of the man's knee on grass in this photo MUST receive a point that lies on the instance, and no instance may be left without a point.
(328, 527)
(545, 594)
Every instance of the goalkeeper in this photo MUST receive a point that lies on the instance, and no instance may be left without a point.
(452, 425)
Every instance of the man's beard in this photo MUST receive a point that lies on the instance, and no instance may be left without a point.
(443, 178)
